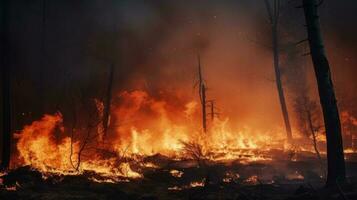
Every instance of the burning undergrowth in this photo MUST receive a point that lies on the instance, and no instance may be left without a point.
(147, 134)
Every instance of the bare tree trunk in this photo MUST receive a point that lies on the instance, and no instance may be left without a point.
(72, 131)
(274, 19)
(204, 113)
(6, 101)
(335, 155)
(108, 101)
(279, 84)
(202, 93)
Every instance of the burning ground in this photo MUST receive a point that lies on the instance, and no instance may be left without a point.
(159, 151)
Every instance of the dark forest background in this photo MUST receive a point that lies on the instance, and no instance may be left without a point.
(64, 46)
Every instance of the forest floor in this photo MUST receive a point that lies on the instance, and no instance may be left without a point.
(172, 179)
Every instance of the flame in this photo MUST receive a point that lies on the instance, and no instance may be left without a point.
(142, 125)
(192, 184)
(150, 165)
(152, 126)
(37, 147)
(349, 150)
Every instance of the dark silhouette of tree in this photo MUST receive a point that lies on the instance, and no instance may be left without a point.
(213, 110)
(202, 94)
(335, 155)
(106, 47)
(274, 14)
(313, 130)
(308, 118)
(108, 100)
(6, 99)
(308, 114)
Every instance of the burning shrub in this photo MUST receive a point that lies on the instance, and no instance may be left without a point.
(194, 151)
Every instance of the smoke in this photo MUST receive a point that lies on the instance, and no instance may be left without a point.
(154, 46)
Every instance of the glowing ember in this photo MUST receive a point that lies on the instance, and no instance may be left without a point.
(13, 188)
(193, 184)
(150, 165)
(252, 180)
(349, 150)
(231, 177)
(176, 173)
(197, 184)
(174, 188)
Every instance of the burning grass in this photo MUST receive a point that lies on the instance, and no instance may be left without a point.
(142, 126)
(151, 141)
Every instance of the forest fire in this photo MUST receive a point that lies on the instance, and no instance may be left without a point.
(159, 99)
(158, 128)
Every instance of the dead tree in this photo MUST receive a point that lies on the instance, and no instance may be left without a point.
(308, 118)
(335, 155)
(202, 94)
(84, 131)
(306, 110)
(108, 98)
(313, 133)
(6, 98)
(274, 14)
(108, 101)
(314, 130)
(213, 110)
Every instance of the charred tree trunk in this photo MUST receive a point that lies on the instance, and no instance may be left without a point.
(279, 84)
(202, 93)
(204, 113)
(108, 101)
(335, 155)
(274, 19)
(6, 98)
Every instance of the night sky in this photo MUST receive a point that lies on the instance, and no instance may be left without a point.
(154, 44)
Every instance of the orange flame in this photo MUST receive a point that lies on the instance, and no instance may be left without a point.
(142, 125)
